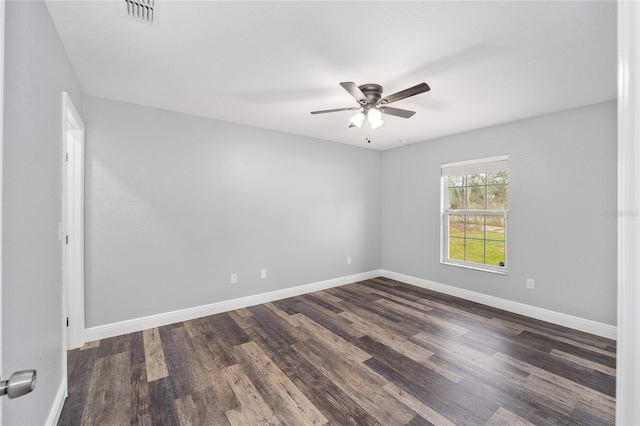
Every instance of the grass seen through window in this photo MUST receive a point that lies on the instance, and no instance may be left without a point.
(478, 239)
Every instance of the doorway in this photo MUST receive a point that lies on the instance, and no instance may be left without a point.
(72, 228)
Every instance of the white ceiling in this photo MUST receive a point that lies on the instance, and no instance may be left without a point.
(268, 64)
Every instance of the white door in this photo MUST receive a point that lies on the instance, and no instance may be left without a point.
(21, 382)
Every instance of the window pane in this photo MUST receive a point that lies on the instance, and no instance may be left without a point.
(456, 225)
(495, 253)
(455, 181)
(500, 177)
(475, 251)
(478, 238)
(475, 180)
(497, 197)
(475, 226)
(456, 248)
(495, 228)
(476, 197)
(457, 198)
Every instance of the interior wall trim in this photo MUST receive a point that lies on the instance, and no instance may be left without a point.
(628, 358)
(58, 403)
(576, 323)
(159, 320)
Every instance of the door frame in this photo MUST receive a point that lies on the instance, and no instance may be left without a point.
(628, 368)
(2, 31)
(73, 133)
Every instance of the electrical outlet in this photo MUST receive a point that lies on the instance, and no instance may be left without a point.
(233, 278)
(530, 284)
(263, 274)
(349, 260)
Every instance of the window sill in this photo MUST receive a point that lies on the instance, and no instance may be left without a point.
(476, 268)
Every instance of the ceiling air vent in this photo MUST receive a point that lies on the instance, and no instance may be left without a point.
(140, 10)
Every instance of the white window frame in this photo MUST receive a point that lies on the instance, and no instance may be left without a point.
(469, 167)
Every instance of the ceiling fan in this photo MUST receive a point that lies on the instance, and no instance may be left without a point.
(371, 103)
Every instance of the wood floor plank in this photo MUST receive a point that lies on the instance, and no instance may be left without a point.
(109, 406)
(586, 414)
(291, 319)
(238, 319)
(201, 407)
(136, 348)
(193, 368)
(298, 409)
(353, 378)
(423, 317)
(253, 409)
(399, 328)
(323, 295)
(337, 343)
(596, 380)
(328, 319)
(269, 319)
(452, 399)
(90, 345)
(338, 407)
(461, 357)
(376, 352)
(352, 299)
(583, 393)
(530, 404)
(584, 362)
(401, 300)
(81, 363)
(605, 360)
(154, 355)
(402, 346)
(114, 345)
(140, 397)
(386, 290)
(319, 301)
(504, 417)
(162, 397)
(424, 410)
(221, 333)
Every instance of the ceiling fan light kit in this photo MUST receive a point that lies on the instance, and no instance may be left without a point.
(371, 104)
(373, 116)
(358, 119)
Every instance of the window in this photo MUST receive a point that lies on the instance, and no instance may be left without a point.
(474, 214)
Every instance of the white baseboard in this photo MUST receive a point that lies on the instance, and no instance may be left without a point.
(159, 320)
(588, 326)
(58, 403)
(139, 324)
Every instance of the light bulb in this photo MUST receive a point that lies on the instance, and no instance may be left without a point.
(374, 115)
(376, 124)
(375, 118)
(358, 119)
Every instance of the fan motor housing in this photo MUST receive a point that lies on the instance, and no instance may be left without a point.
(373, 92)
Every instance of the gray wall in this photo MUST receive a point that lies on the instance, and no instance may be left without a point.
(36, 72)
(562, 170)
(175, 203)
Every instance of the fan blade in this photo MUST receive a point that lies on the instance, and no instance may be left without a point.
(404, 113)
(354, 91)
(412, 91)
(352, 125)
(335, 110)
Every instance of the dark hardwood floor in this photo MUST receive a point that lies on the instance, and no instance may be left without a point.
(377, 352)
